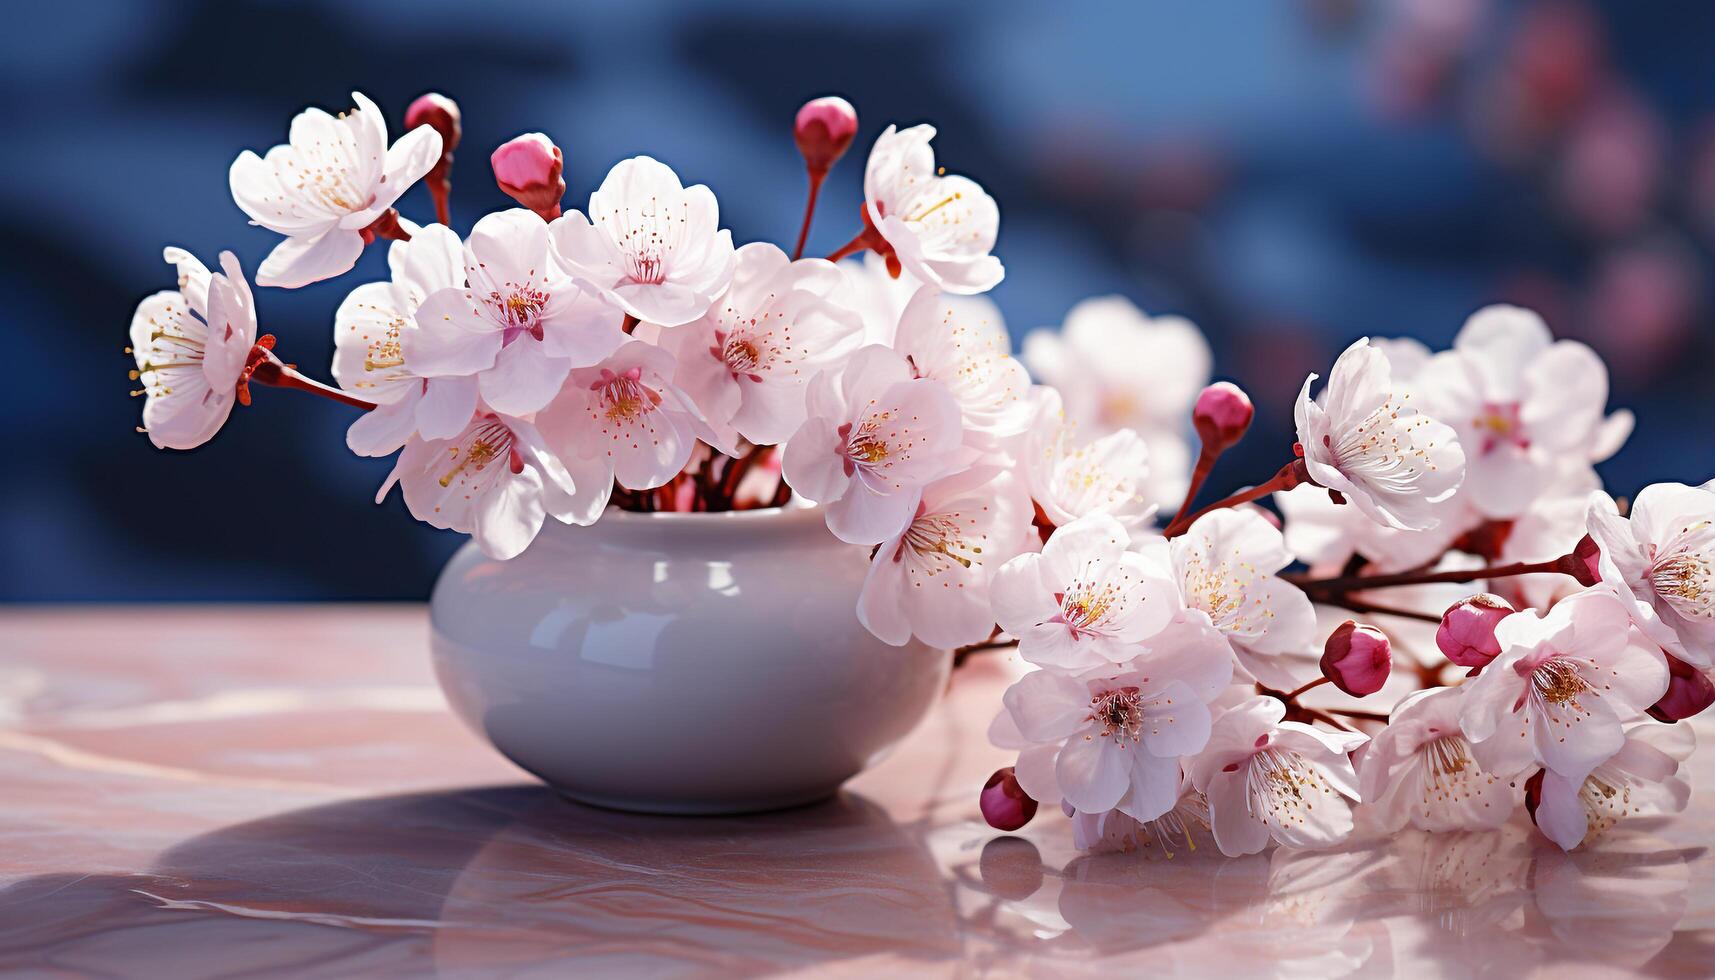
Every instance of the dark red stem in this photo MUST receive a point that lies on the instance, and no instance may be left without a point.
(816, 178)
(1205, 463)
(267, 368)
(1339, 585)
(1290, 475)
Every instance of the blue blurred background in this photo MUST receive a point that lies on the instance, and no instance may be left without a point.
(1289, 175)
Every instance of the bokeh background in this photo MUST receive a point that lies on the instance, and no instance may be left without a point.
(1289, 175)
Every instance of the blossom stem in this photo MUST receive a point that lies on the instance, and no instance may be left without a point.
(816, 178)
(852, 247)
(1205, 463)
(1290, 475)
(1293, 694)
(1358, 606)
(1341, 584)
(268, 369)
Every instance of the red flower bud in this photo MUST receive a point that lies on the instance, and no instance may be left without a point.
(1222, 414)
(440, 114)
(824, 130)
(1357, 658)
(1583, 563)
(1467, 632)
(1004, 803)
(1688, 693)
(528, 169)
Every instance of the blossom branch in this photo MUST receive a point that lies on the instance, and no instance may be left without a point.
(1341, 584)
(1290, 475)
(265, 367)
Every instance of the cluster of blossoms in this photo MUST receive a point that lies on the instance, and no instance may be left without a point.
(556, 363)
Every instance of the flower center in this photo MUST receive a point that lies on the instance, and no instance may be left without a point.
(1086, 607)
(1558, 682)
(937, 540)
(863, 445)
(519, 312)
(384, 351)
(1686, 582)
(739, 353)
(1279, 785)
(1380, 450)
(1120, 713)
(1498, 423)
(489, 439)
(1221, 589)
(624, 397)
(1604, 803)
(931, 209)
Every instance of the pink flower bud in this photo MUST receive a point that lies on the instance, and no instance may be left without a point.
(1584, 563)
(528, 168)
(1004, 803)
(1222, 414)
(1357, 658)
(1467, 632)
(1688, 693)
(440, 114)
(824, 129)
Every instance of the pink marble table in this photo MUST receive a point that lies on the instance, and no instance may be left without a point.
(193, 792)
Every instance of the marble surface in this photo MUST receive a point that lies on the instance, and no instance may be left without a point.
(236, 791)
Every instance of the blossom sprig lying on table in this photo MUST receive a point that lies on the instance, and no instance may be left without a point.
(1452, 624)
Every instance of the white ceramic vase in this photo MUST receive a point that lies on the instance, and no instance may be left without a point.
(679, 662)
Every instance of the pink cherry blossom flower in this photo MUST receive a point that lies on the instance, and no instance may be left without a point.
(747, 361)
(1661, 562)
(942, 227)
(1564, 684)
(1084, 600)
(931, 580)
(518, 326)
(651, 245)
(1225, 564)
(1522, 405)
(1070, 479)
(1357, 658)
(1420, 770)
(1267, 778)
(1641, 779)
(1112, 738)
(332, 179)
(191, 345)
(1363, 440)
(1118, 368)
(371, 328)
(879, 298)
(626, 415)
(496, 480)
(873, 438)
(961, 341)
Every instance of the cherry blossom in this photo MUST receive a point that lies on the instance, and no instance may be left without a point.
(1564, 684)
(1522, 405)
(1661, 562)
(931, 580)
(961, 341)
(1362, 440)
(1268, 778)
(1641, 779)
(627, 416)
(1084, 600)
(370, 335)
(1420, 770)
(747, 361)
(495, 480)
(1111, 738)
(191, 345)
(941, 227)
(879, 298)
(1118, 368)
(333, 178)
(651, 245)
(1070, 479)
(873, 439)
(1326, 535)
(1225, 565)
(518, 326)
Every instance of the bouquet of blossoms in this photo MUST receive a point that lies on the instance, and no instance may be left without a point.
(1451, 620)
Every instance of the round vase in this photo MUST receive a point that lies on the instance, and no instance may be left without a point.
(679, 662)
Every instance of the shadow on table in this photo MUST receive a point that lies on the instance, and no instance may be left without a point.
(514, 879)
(491, 878)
